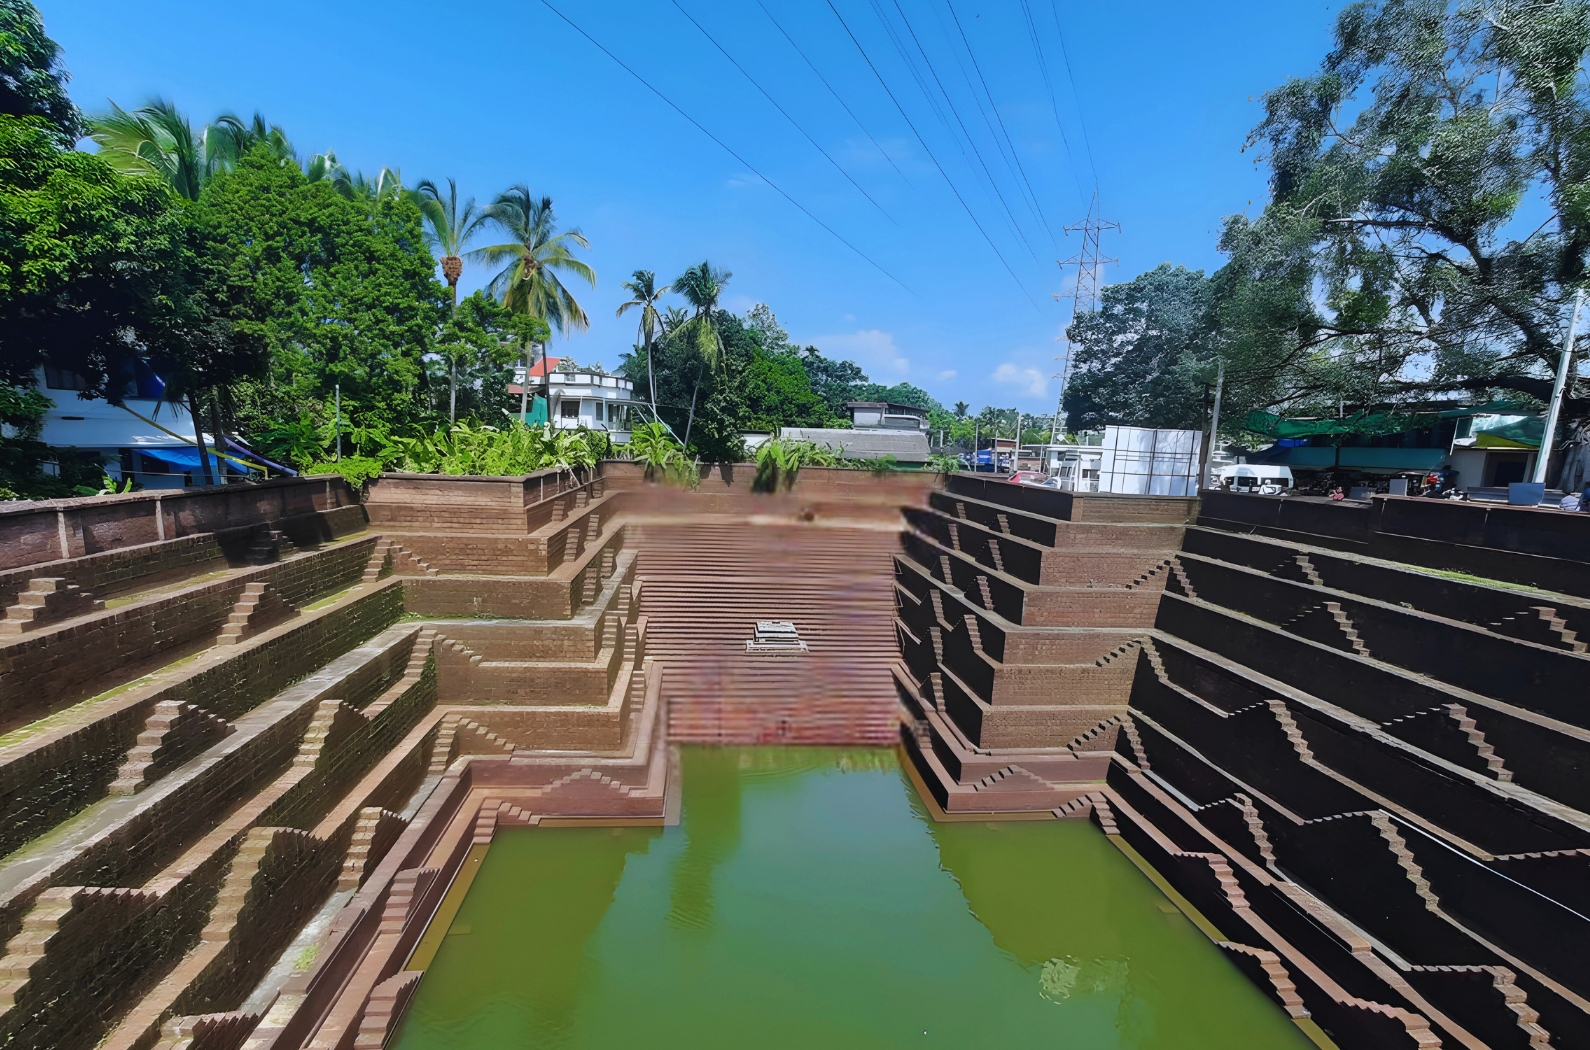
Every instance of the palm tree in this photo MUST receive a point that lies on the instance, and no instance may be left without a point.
(644, 294)
(157, 140)
(528, 282)
(674, 318)
(702, 286)
(449, 225)
(233, 138)
(387, 185)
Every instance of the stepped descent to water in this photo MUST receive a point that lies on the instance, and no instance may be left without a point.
(274, 756)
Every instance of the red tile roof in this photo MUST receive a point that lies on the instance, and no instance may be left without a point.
(538, 371)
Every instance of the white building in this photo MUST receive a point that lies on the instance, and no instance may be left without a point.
(574, 398)
(144, 438)
(1074, 466)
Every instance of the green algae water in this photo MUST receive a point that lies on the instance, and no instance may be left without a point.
(807, 900)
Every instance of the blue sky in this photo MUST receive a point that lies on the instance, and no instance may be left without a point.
(1154, 108)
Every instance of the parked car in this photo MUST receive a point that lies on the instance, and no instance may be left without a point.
(1029, 477)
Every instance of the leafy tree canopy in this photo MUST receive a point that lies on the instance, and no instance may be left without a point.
(483, 340)
(1389, 259)
(339, 291)
(99, 272)
(1137, 360)
(898, 394)
(836, 382)
(1402, 251)
(32, 80)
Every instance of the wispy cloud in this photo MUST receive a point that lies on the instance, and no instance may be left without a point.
(873, 350)
(1029, 380)
(948, 374)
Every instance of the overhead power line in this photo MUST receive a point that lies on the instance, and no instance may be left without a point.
(782, 110)
(1081, 118)
(1054, 98)
(992, 182)
(995, 107)
(1015, 224)
(831, 91)
(926, 149)
(982, 111)
(725, 147)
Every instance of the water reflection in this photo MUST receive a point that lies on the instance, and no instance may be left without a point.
(1055, 911)
(549, 888)
(806, 901)
(712, 792)
(715, 781)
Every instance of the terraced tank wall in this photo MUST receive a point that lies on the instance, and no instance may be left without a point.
(1535, 546)
(1370, 776)
(47, 530)
(715, 560)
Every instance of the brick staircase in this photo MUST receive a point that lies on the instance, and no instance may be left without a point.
(260, 608)
(270, 545)
(705, 585)
(47, 600)
(177, 729)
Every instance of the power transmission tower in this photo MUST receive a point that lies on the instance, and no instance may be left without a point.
(1084, 294)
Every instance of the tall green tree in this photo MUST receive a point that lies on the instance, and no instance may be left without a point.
(32, 79)
(643, 295)
(835, 381)
(341, 292)
(1389, 260)
(100, 273)
(480, 342)
(533, 260)
(1139, 359)
(451, 225)
(702, 286)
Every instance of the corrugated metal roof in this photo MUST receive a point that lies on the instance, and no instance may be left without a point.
(904, 446)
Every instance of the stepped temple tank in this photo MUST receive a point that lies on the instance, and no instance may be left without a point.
(577, 759)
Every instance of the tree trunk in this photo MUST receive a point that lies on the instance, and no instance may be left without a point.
(452, 389)
(215, 430)
(524, 389)
(198, 438)
(690, 421)
(651, 378)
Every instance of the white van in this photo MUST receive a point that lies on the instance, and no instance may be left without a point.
(1262, 479)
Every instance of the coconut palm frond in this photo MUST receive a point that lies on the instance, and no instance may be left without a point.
(536, 251)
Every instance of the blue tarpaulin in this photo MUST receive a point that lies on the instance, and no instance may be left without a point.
(184, 458)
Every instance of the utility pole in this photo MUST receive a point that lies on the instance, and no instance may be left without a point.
(1549, 434)
(524, 390)
(1214, 423)
(1084, 293)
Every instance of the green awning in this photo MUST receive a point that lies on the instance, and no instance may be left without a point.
(1383, 422)
(1523, 433)
(1325, 457)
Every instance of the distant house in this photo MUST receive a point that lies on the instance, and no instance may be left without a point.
(885, 415)
(878, 430)
(571, 397)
